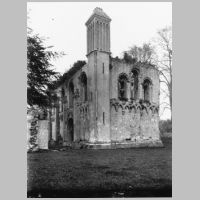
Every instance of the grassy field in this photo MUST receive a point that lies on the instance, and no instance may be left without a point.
(144, 172)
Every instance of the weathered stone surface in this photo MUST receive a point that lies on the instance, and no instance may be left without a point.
(95, 115)
(37, 130)
(42, 137)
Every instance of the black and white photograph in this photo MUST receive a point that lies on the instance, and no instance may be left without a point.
(99, 99)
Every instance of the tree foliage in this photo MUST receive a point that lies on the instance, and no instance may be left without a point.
(142, 53)
(128, 58)
(165, 126)
(68, 74)
(39, 70)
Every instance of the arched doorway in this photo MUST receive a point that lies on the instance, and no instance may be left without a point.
(71, 129)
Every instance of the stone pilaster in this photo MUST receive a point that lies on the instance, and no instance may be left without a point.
(92, 36)
(87, 41)
(109, 37)
(131, 89)
(140, 89)
(128, 95)
(97, 34)
(151, 93)
(101, 35)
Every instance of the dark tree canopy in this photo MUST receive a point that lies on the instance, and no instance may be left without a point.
(39, 71)
(68, 74)
(128, 58)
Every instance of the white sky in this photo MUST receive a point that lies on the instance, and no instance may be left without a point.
(133, 23)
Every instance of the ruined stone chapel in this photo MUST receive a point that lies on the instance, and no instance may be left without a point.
(107, 103)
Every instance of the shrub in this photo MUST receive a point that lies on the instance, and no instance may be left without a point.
(165, 126)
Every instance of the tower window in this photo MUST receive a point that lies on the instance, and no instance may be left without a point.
(103, 118)
(103, 68)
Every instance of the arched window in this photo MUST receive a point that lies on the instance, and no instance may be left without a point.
(122, 87)
(147, 88)
(62, 92)
(71, 93)
(83, 79)
(134, 84)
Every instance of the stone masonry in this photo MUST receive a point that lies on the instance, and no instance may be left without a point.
(108, 103)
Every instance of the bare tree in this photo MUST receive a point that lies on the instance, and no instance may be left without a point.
(163, 61)
(159, 53)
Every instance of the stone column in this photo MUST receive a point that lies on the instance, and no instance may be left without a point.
(101, 36)
(57, 120)
(87, 40)
(140, 89)
(104, 37)
(50, 123)
(97, 34)
(128, 90)
(65, 121)
(151, 93)
(109, 37)
(92, 37)
(132, 89)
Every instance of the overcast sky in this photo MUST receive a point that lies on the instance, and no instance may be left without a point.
(133, 23)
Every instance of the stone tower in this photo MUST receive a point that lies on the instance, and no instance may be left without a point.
(98, 54)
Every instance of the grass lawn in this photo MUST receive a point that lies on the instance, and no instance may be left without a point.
(143, 172)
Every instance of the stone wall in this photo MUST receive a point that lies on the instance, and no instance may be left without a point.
(125, 121)
(117, 68)
(42, 137)
(133, 121)
(145, 71)
(79, 112)
(37, 130)
(148, 71)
